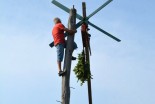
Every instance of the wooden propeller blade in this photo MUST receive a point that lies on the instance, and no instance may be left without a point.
(106, 33)
(79, 24)
(102, 6)
(65, 8)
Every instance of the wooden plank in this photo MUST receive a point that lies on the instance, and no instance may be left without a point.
(67, 60)
(86, 47)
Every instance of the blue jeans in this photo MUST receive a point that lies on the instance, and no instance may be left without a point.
(60, 51)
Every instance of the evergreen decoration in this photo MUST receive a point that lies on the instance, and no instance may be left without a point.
(82, 69)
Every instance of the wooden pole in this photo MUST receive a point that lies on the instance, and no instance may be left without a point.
(67, 60)
(86, 45)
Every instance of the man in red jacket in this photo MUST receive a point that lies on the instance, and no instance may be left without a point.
(59, 41)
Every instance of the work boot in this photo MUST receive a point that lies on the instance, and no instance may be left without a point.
(61, 73)
(73, 58)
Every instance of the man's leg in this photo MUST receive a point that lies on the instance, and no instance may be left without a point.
(74, 47)
(60, 72)
(59, 66)
(60, 53)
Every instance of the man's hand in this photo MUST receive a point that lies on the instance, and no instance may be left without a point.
(70, 31)
(74, 31)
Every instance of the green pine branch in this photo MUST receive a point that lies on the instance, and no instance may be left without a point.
(82, 69)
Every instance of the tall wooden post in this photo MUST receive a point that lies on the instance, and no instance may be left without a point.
(67, 61)
(86, 45)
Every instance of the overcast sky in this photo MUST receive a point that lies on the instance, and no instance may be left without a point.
(123, 72)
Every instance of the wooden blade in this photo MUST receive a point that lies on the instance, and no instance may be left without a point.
(106, 33)
(79, 24)
(65, 9)
(102, 6)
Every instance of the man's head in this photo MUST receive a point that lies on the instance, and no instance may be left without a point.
(57, 20)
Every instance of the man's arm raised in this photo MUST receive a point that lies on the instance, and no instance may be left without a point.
(70, 31)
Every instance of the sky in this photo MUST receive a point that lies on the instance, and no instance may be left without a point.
(123, 72)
